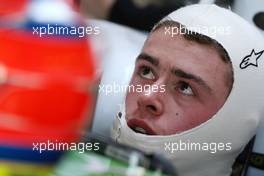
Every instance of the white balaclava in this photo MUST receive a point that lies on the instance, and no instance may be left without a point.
(236, 122)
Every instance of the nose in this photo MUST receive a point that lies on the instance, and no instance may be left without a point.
(151, 103)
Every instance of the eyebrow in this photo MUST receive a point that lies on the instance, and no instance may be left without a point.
(197, 79)
(147, 57)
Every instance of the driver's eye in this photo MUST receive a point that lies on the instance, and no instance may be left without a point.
(146, 72)
(185, 89)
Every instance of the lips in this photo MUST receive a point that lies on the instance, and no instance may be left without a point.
(140, 126)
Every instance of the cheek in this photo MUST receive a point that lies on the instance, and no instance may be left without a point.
(132, 96)
(184, 119)
(173, 120)
(131, 100)
(198, 115)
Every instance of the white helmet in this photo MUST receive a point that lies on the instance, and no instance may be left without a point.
(236, 122)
